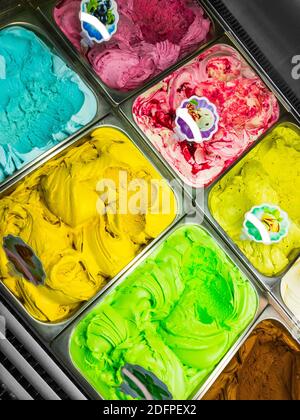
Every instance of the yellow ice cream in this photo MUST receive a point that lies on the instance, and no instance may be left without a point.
(268, 174)
(65, 212)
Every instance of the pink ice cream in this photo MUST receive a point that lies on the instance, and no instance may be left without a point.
(152, 35)
(245, 106)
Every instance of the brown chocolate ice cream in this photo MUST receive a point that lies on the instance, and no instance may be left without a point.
(267, 367)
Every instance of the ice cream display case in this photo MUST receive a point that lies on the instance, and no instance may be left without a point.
(149, 200)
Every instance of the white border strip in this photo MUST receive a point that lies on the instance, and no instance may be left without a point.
(260, 227)
(184, 114)
(92, 20)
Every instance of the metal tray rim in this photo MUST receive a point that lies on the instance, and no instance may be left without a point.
(117, 97)
(180, 213)
(126, 108)
(267, 281)
(269, 313)
(28, 19)
(60, 345)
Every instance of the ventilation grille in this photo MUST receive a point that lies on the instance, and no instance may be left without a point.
(25, 381)
(242, 35)
(27, 371)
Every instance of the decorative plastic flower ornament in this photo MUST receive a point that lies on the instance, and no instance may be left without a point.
(266, 224)
(197, 120)
(99, 20)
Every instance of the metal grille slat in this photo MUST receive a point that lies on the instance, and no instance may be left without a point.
(27, 370)
(39, 358)
(13, 386)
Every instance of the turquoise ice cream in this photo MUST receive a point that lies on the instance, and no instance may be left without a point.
(42, 101)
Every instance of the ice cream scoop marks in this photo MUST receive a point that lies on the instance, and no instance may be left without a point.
(124, 196)
(197, 120)
(99, 21)
(266, 224)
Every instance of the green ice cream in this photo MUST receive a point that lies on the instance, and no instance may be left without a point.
(268, 174)
(176, 316)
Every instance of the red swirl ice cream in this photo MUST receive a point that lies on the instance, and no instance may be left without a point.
(244, 109)
(152, 35)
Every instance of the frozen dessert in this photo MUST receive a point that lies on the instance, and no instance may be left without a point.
(151, 36)
(267, 367)
(85, 216)
(268, 177)
(168, 324)
(228, 107)
(290, 290)
(42, 101)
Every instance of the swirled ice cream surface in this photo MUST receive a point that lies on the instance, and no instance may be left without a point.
(175, 316)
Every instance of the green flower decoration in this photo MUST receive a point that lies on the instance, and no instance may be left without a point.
(267, 224)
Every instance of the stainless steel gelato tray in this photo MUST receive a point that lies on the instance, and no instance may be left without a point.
(46, 7)
(269, 315)
(61, 345)
(269, 282)
(127, 110)
(193, 204)
(25, 18)
(47, 330)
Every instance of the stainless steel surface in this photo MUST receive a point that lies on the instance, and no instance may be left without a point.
(28, 18)
(47, 331)
(60, 345)
(116, 97)
(268, 314)
(222, 21)
(9, 4)
(41, 21)
(274, 27)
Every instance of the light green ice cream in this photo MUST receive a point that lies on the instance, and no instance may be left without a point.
(176, 316)
(268, 174)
